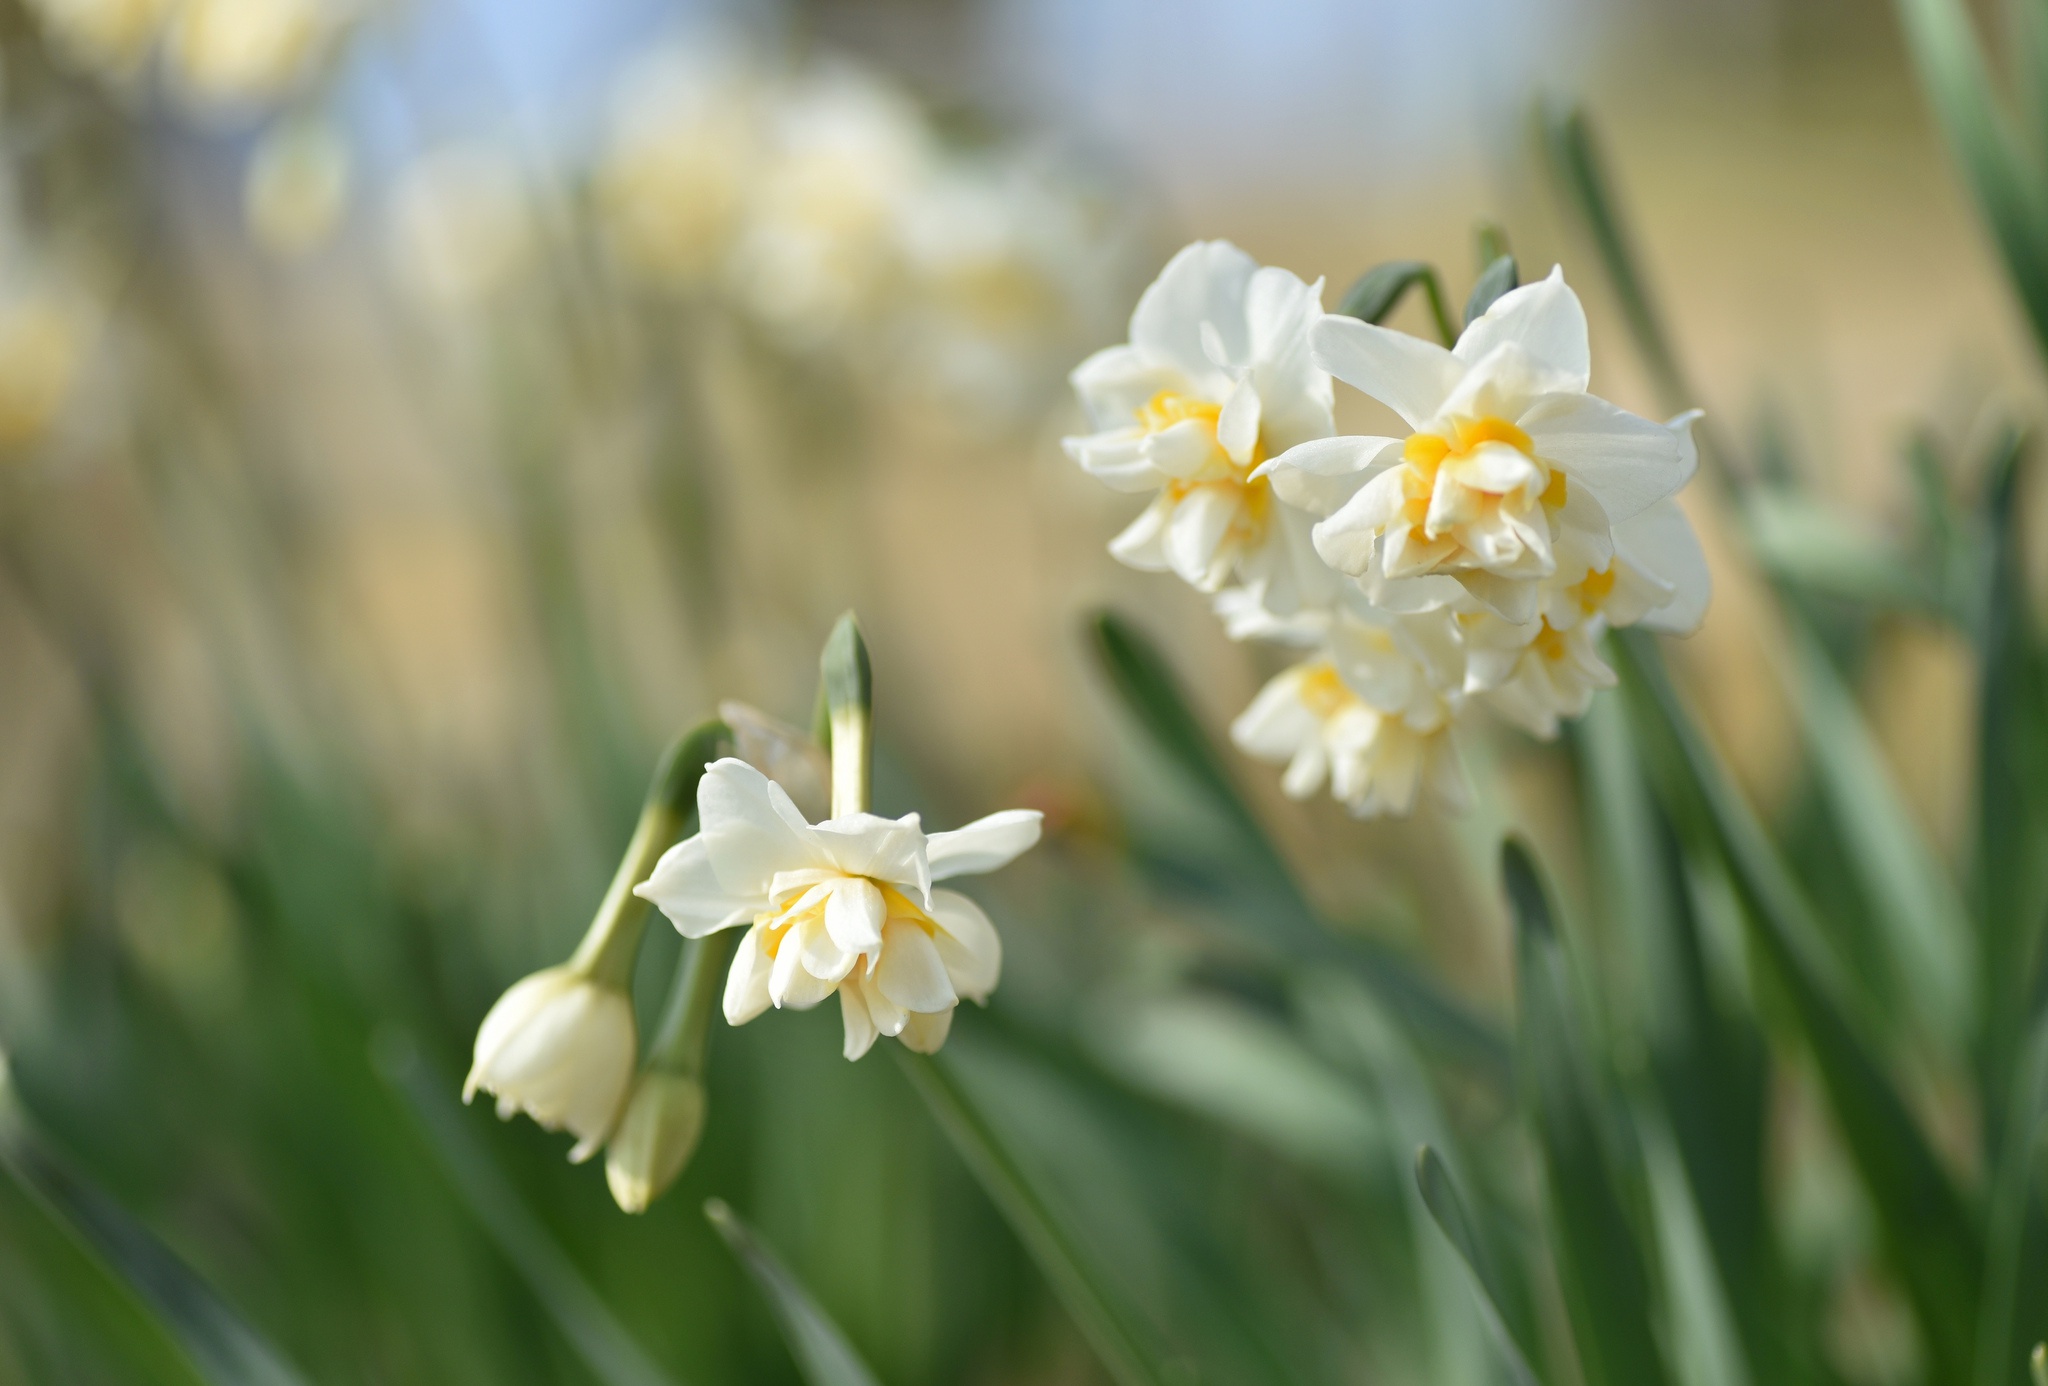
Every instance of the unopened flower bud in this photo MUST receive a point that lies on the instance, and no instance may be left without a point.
(559, 1046)
(658, 1134)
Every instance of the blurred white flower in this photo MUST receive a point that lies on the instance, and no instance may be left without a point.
(1369, 716)
(1215, 380)
(1513, 474)
(663, 1121)
(842, 906)
(821, 239)
(241, 53)
(682, 143)
(111, 37)
(561, 1047)
(44, 333)
(460, 226)
(296, 186)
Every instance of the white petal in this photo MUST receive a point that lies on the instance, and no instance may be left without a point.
(889, 1018)
(860, 1026)
(1661, 542)
(968, 945)
(1237, 427)
(886, 849)
(925, 1032)
(821, 954)
(1628, 461)
(746, 984)
(1116, 382)
(1294, 393)
(1204, 283)
(747, 834)
(854, 913)
(688, 891)
(1185, 451)
(1408, 375)
(1121, 460)
(791, 985)
(1201, 522)
(1142, 545)
(911, 972)
(1346, 539)
(1321, 475)
(984, 844)
(1545, 319)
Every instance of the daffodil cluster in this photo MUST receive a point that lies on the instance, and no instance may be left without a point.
(1473, 559)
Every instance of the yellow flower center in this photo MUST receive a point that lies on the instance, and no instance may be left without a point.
(1323, 692)
(1255, 495)
(1426, 453)
(1549, 642)
(1594, 591)
(808, 906)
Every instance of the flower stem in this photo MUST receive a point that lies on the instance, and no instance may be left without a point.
(613, 940)
(678, 1045)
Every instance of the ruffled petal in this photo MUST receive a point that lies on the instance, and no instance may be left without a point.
(985, 844)
(1544, 319)
(684, 887)
(968, 945)
(748, 835)
(911, 972)
(1408, 375)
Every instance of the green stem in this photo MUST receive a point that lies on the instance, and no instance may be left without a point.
(679, 1043)
(613, 940)
(1438, 309)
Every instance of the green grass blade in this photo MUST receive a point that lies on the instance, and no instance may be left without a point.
(217, 1344)
(1447, 1208)
(2008, 189)
(1601, 1265)
(2015, 1308)
(1934, 1245)
(1920, 914)
(821, 1351)
(1112, 1327)
(591, 1329)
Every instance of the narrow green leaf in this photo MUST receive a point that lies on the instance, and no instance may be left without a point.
(2008, 188)
(582, 1316)
(2011, 884)
(218, 1346)
(1934, 1246)
(1496, 279)
(1601, 1266)
(1274, 915)
(821, 1351)
(1380, 290)
(1112, 1327)
(1708, 1059)
(1224, 1061)
(1815, 547)
(1447, 1208)
(1580, 172)
(2015, 1308)
(1920, 916)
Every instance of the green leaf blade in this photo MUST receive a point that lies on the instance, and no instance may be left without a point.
(820, 1348)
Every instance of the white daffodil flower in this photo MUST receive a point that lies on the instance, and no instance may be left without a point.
(1215, 380)
(1512, 473)
(1371, 714)
(561, 1047)
(842, 906)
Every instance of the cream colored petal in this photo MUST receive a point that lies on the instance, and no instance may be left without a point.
(746, 835)
(685, 888)
(1629, 462)
(1142, 544)
(911, 973)
(860, 1026)
(889, 1017)
(1544, 319)
(1661, 542)
(926, 1031)
(968, 945)
(1237, 428)
(746, 984)
(1200, 524)
(1204, 284)
(1408, 375)
(886, 849)
(1320, 476)
(985, 844)
(853, 915)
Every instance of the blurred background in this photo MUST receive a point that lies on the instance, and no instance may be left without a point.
(413, 414)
